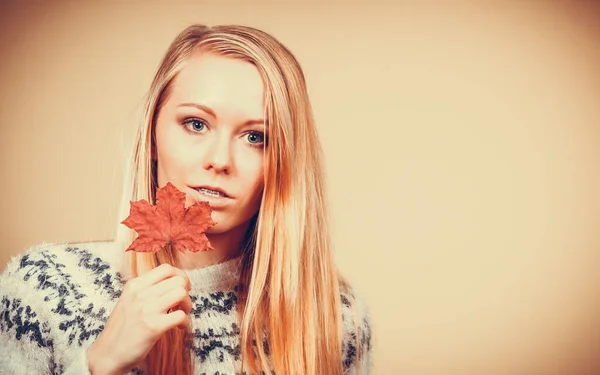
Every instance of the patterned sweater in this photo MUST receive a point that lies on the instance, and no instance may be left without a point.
(55, 300)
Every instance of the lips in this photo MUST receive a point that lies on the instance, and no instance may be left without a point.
(216, 189)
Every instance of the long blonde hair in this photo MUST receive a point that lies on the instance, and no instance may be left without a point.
(290, 309)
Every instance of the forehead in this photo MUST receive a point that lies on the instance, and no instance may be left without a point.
(226, 85)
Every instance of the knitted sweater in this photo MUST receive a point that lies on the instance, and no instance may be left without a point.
(55, 300)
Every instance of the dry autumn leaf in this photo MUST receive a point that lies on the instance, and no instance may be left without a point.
(169, 223)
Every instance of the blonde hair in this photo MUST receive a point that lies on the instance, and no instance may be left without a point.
(290, 287)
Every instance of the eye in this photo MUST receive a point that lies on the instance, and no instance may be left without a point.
(255, 138)
(195, 125)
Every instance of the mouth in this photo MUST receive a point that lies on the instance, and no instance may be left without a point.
(212, 191)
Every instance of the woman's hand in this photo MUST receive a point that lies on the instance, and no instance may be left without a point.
(140, 317)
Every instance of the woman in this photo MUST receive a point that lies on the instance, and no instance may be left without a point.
(227, 120)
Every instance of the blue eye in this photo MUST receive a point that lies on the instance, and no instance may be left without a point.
(197, 125)
(256, 138)
(194, 125)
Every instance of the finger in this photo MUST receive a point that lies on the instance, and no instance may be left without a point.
(177, 318)
(182, 273)
(163, 287)
(186, 305)
(171, 299)
(154, 276)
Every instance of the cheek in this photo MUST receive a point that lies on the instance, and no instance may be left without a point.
(252, 170)
(172, 151)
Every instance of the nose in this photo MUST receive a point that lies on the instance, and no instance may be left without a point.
(218, 155)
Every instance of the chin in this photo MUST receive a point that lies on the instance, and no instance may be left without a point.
(224, 226)
(221, 226)
(217, 229)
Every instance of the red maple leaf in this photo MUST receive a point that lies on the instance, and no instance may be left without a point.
(169, 223)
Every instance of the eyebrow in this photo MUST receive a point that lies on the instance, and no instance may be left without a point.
(213, 114)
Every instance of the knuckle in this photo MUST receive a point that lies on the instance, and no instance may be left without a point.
(166, 267)
(181, 281)
(181, 293)
(135, 295)
(184, 321)
(142, 311)
(130, 286)
(181, 316)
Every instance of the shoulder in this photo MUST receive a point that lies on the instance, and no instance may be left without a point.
(53, 266)
(356, 328)
(51, 281)
(57, 255)
(53, 296)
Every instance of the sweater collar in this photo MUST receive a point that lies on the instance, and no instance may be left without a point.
(220, 276)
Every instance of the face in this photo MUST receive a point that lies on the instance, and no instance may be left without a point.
(210, 136)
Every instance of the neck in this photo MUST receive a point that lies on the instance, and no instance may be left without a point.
(227, 245)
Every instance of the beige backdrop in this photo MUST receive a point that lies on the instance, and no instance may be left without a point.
(462, 146)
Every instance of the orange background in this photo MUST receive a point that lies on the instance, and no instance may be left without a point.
(461, 141)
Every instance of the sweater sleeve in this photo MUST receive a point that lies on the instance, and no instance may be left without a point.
(27, 333)
(356, 334)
